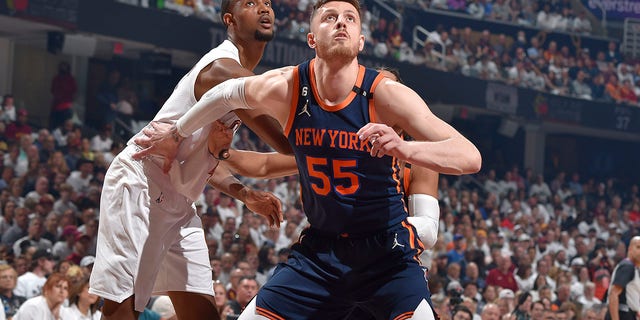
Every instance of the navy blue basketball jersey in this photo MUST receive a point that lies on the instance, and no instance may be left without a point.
(344, 189)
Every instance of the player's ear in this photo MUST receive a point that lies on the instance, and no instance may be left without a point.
(361, 43)
(227, 19)
(311, 40)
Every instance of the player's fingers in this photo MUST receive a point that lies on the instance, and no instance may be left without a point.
(143, 141)
(142, 153)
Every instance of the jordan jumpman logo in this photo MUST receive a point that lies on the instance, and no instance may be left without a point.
(396, 243)
(305, 109)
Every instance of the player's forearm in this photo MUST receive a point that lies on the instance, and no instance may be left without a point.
(214, 104)
(261, 165)
(223, 180)
(455, 155)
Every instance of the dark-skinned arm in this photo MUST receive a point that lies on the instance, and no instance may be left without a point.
(260, 202)
(261, 165)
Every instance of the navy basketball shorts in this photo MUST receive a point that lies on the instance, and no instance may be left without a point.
(348, 277)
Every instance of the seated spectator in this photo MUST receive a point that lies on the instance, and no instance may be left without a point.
(476, 9)
(19, 128)
(456, 5)
(8, 281)
(627, 92)
(79, 179)
(579, 88)
(48, 305)
(33, 237)
(500, 11)
(581, 24)
(247, 289)
(80, 248)
(612, 89)
(102, 141)
(30, 284)
(222, 303)
(598, 87)
(19, 228)
(587, 299)
(64, 247)
(82, 304)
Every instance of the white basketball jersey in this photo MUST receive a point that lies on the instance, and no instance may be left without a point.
(193, 164)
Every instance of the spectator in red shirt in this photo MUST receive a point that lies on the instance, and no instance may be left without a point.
(17, 129)
(502, 276)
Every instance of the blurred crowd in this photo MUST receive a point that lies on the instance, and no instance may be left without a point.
(569, 69)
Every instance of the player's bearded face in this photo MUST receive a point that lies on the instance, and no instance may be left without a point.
(336, 32)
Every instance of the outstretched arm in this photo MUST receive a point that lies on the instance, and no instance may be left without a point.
(260, 202)
(268, 95)
(440, 147)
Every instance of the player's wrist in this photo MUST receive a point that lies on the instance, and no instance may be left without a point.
(175, 134)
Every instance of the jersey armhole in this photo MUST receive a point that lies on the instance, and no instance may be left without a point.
(294, 101)
(372, 105)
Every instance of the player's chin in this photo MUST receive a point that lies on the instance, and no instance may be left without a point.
(264, 35)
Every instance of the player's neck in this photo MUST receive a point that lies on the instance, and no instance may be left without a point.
(250, 52)
(335, 79)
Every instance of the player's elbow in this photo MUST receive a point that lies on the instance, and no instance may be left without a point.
(471, 163)
(475, 162)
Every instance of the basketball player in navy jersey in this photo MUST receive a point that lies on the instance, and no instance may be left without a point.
(420, 184)
(341, 119)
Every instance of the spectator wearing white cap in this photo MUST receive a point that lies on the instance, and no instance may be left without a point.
(506, 301)
(87, 263)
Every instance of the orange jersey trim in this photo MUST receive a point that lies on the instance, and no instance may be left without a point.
(342, 104)
(294, 102)
(266, 313)
(413, 238)
(404, 316)
(372, 104)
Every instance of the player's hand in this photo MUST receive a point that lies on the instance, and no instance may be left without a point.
(159, 140)
(219, 140)
(384, 140)
(266, 205)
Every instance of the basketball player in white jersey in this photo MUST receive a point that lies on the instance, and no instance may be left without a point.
(150, 239)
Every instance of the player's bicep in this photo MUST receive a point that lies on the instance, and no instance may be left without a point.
(400, 107)
(270, 93)
(217, 72)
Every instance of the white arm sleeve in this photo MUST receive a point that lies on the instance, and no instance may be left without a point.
(426, 216)
(215, 103)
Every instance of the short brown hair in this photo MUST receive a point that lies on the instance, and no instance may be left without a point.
(320, 3)
(53, 280)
